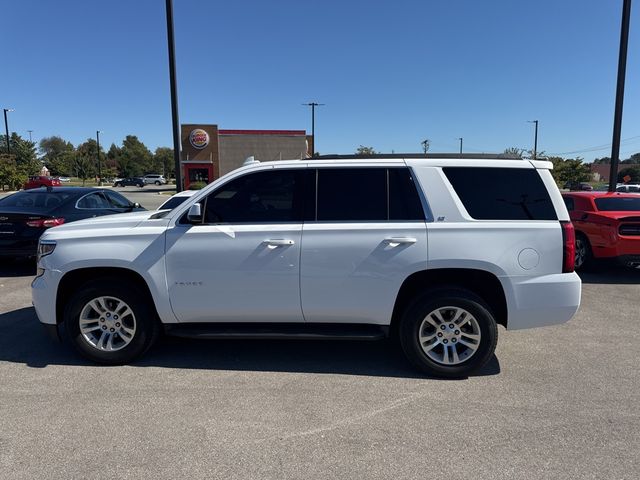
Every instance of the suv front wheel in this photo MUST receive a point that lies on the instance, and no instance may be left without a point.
(110, 322)
(448, 333)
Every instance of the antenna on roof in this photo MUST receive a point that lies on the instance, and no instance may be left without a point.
(250, 160)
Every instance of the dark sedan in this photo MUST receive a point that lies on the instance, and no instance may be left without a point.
(129, 182)
(26, 214)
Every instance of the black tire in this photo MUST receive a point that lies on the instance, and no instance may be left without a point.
(412, 319)
(147, 326)
(157, 182)
(586, 255)
(117, 185)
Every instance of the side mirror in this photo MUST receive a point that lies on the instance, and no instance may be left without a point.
(195, 213)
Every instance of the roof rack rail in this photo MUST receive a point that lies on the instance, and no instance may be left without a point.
(383, 156)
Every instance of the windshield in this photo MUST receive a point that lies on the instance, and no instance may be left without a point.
(172, 203)
(39, 199)
(618, 204)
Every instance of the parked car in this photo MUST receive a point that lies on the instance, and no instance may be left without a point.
(177, 199)
(25, 215)
(628, 188)
(64, 179)
(41, 181)
(607, 226)
(324, 249)
(154, 179)
(129, 182)
(578, 186)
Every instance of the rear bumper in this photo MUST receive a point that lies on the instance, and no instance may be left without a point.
(624, 246)
(541, 301)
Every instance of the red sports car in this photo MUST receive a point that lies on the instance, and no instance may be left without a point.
(41, 181)
(607, 225)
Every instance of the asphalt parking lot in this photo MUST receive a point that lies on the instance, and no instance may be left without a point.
(559, 402)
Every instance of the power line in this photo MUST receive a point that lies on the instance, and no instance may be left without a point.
(595, 148)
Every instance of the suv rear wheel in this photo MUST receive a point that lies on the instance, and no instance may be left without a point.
(448, 333)
(110, 321)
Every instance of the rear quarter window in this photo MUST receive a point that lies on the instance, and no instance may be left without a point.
(502, 193)
(618, 204)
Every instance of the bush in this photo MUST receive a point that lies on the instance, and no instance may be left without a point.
(197, 186)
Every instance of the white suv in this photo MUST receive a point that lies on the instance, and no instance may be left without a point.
(154, 178)
(433, 252)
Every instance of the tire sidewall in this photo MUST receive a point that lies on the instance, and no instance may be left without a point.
(146, 323)
(418, 310)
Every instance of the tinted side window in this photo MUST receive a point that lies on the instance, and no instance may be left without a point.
(568, 201)
(117, 200)
(261, 197)
(502, 193)
(352, 194)
(93, 201)
(404, 201)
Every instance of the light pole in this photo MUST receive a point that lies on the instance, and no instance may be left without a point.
(30, 132)
(425, 145)
(535, 139)
(175, 123)
(313, 106)
(6, 127)
(617, 118)
(460, 138)
(99, 169)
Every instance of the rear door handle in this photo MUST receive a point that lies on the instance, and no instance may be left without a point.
(278, 242)
(393, 241)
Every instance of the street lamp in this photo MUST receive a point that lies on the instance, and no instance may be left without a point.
(6, 127)
(535, 140)
(313, 106)
(460, 138)
(99, 170)
(30, 132)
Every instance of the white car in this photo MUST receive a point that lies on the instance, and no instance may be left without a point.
(155, 179)
(177, 199)
(628, 188)
(433, 252)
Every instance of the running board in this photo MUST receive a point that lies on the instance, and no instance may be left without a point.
(278, 331)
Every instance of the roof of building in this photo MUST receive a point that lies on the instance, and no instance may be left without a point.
(288, 133)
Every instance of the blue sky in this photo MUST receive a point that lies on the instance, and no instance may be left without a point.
(390, 73)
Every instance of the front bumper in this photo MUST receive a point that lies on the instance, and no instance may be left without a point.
(541, 301)
(43, 295)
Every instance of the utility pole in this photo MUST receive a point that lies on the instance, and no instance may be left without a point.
(30, 132)
(617, 119)
(460, 138)
(6, 127)
(99, 169)
(425, 145)
(535, 139)
(313, 106)
(174, 96)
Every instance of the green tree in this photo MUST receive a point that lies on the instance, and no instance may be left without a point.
(9, 177)
(602, 161)
(634, 159)
(24, 153)
(84, 166)
(87, 152)
(53, 151)
(163, 161)
(365, 151)
(633, 172)
(135, 158)
(569, 170)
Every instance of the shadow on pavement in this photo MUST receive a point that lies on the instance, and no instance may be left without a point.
(612, 275)
(23, 340)
(17, 268)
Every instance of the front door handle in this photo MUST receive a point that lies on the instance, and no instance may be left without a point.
(278, 242)
(395, 241)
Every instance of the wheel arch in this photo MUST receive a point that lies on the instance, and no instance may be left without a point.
(75, 278)
(484, 284)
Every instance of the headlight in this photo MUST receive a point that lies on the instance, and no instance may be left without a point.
(45, 247)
